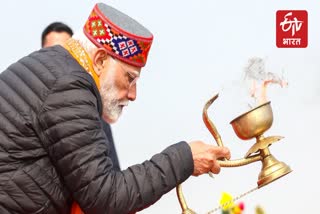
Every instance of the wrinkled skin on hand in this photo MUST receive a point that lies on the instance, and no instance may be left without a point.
(205, 157)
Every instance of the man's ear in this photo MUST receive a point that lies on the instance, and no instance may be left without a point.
(98, 60)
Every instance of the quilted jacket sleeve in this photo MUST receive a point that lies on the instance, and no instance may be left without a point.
(72, 134)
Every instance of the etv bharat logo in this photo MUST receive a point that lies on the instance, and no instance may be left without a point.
(292, 28)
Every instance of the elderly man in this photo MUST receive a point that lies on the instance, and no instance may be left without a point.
(52, 147)
(57, 33)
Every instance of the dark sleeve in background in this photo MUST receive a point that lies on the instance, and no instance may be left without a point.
(112, 149)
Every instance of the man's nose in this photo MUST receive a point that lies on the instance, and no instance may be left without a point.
(132, 93)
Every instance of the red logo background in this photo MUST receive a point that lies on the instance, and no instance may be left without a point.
(292, 28)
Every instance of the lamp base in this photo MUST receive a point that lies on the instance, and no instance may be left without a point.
(272, 169)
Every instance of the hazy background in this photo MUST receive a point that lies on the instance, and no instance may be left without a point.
(200, 48)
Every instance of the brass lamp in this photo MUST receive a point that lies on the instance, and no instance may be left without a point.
(252, 124)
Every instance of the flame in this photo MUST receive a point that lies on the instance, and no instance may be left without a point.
(263, 96)
(259, 79)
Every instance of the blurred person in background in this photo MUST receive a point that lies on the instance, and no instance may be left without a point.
(55, 33)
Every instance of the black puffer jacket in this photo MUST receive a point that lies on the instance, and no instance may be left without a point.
(53, 150)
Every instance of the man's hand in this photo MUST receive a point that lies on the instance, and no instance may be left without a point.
(205, 157)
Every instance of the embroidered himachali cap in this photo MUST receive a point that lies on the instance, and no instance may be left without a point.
(122, 37)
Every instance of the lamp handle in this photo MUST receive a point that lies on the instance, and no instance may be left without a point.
(215, 134)
(209, 124)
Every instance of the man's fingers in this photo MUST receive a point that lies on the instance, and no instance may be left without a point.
(215, 168)
(222, 152)
(205, 157)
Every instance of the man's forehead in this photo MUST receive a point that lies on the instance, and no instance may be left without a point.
(130, 68)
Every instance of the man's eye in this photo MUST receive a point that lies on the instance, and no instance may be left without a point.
(130, 77)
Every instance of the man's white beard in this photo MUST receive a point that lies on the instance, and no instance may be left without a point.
(112, 107)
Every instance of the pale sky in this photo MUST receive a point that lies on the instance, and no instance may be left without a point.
(200, 48)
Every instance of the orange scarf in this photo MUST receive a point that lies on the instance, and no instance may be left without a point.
(75, 209)
(82, 57)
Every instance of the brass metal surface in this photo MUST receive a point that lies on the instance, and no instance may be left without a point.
(210, 126)
(262, 143)
(272, 169)
(182, 201)
(252, 124)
